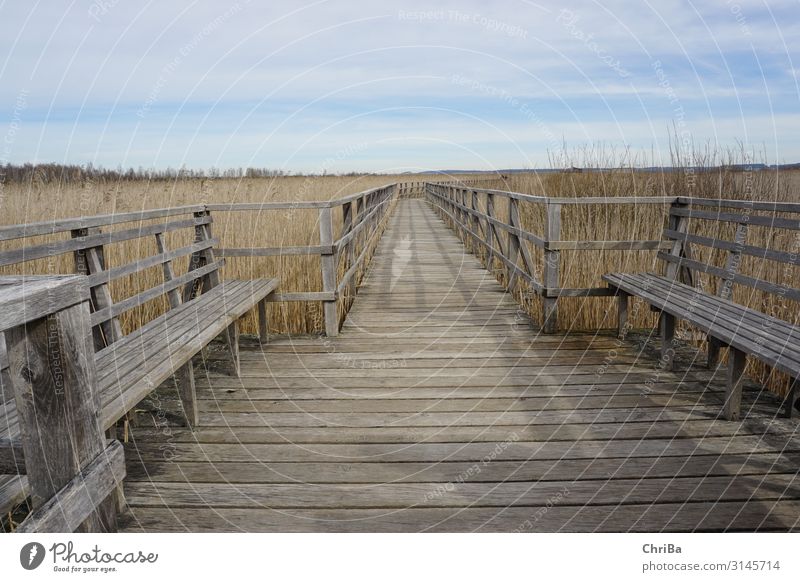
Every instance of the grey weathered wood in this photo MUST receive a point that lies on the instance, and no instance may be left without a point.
(53, 375)
(525, 254)
(753, 282)
(27, 297)
(231, 336)
(725, 290)
(790, 402)
(97, 239)
(680, 225)
(774, 341)
(552, 268)
(114, 273)
(742, 204)
(154, 292)
(623, 303)
(613, 200)
(91, 261)
(749, 250)
(666, 324)
(302, 296)
(193, 286)
(76, 501)
(263, 322)
(328, 273)
(754, 220)
(275, 251)
(68, 224)
(184, 375)
(609, 245)
(348, 251)
(735, 375)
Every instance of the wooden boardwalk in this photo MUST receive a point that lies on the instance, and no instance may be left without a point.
(440, 407)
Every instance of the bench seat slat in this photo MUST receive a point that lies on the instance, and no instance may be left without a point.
(739, 313)
(779, 349)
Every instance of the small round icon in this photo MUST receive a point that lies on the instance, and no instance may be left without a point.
(31, 555)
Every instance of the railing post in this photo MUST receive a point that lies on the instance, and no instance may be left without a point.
(328, 272)
(679, 224)
(347, 226)
(552, 268)
(52, 369)
(91, 261)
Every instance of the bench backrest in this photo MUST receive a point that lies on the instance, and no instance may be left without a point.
(146, 247)
(721, 244)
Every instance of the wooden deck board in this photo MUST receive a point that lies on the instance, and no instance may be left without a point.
(441, 407)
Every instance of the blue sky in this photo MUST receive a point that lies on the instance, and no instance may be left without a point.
(391, 86)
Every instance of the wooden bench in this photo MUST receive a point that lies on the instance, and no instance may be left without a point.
(681, 294)
(129, 367)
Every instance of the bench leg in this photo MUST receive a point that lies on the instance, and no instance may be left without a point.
(263, 322)
(184, 378)
(666, 324)
(623, 301)
(733, 391)
(791, 402)
(119, 493)
(713, 347)
(232, 342)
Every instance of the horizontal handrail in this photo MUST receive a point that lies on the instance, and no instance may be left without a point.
(17, 231)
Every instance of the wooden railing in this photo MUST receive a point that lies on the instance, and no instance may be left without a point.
(342, 252)
(502, 237)
(530, 251)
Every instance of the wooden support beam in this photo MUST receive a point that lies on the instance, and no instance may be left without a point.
(184, 376)
(666, 324)
(329, 270)
(791, 401)
(91, 261)
(552, 268)
(263, 322)
(623, 304)
(735, 378)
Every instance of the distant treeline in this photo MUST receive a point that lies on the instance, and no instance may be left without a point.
(73, 174)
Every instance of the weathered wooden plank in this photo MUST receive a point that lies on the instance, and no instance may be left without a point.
(751, 219)
(26, 298)
(275, 251)
(665, 517)
(760, 284)
(154, 292)
(688, 429)
(743, 204)
(76, 501)
(499, 495)
(68, 224)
